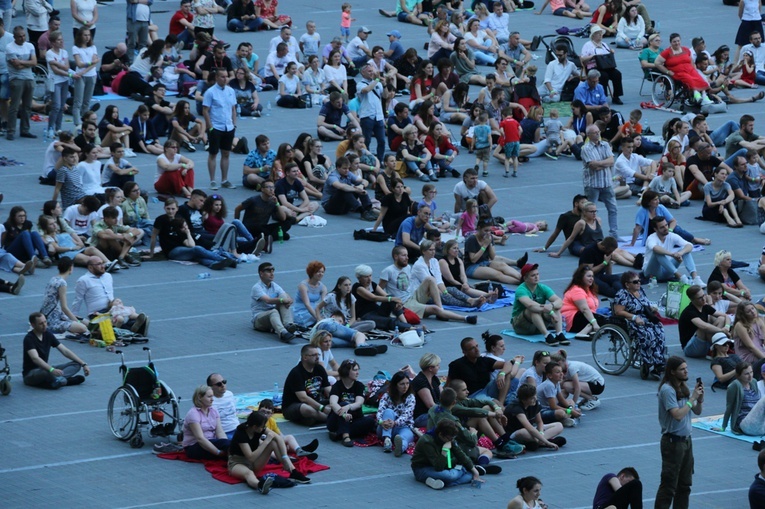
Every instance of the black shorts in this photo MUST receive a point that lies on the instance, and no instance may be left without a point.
(221, 140)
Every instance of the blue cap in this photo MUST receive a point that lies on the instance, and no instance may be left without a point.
(394, 33)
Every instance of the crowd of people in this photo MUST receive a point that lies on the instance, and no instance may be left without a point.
(401, 104)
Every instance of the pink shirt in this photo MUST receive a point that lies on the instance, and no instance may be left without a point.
(468, 223)
(345, 21)
(208, 423)
(569, 309)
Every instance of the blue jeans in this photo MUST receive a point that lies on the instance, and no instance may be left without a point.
(450, 476)
(237, 25)
(58, 99)
(187, 38)
(607, 196)
(697, 347)
(342, 336)
(413, 167)
(243, 234)
(27, 245)
(664, 267)
(484, 58)
(718, 135)
(730, 161)
(760, 78)
(405, 432)
(443, 164)
(491, 391)
(373, 128)
(196, 253)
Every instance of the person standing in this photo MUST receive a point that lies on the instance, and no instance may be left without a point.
(676, 402)
(137, 18)
(371, 115)
(21, 58)
(598, 175)
(219, 109)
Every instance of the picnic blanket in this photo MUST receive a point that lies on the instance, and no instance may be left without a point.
(715, 421)
(248, 402)
(535, 338)
(219, 468)
(623, 241)
(499, 303)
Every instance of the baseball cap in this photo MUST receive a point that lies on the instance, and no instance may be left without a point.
(394, 33)
(365, 30)
(528, 268)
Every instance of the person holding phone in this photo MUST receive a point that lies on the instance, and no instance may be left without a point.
(676, 402)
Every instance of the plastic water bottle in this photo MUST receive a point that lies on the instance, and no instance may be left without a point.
(395, 332)
(203, 275)
(45, 136)
(277, 394)
(653, 283)
(238, 110)
(280, 235)
(268, 109)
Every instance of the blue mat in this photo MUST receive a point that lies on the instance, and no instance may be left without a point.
(499, 303)
(715, 421)
(110, 96)
(248, 402)
(536, 338)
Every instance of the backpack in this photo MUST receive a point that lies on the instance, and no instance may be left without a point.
(374, 236)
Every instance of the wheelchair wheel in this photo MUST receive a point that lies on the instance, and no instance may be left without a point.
(5, 386)
(41, 83)
(123, 414)
(611, 350)
(663, 91)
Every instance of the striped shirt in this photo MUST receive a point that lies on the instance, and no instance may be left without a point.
(600, 178)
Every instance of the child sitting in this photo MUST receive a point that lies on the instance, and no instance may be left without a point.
(755, 167)
(665, 186)
(554, 133)
(466, 224)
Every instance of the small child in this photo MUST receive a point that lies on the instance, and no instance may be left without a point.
(467, 439)
(169, 52)
(748, 71)
(666, 187)
(121, 313)
(310, 42)
(429, 192)
(755, 167)
(481, 142)
(345, 21)
(511, 140)
(554, 133)
(466, 224)
(515, 226)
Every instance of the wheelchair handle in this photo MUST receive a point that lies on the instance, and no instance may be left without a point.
(148, 352)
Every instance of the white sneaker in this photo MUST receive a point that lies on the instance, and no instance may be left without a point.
(706, 100)
(228, 185)
(214, 185)
(436, 484)
(568, 422)
(685, 280)
(590, 405)
(129, 153)
(698, 281)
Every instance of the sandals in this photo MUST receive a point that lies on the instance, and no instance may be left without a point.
(347, 442)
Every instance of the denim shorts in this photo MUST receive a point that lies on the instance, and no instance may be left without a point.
(512, 149)
(470, 269)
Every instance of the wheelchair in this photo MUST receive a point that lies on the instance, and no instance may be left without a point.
(40, 92)
(666, 91)
(5, 372)
(613, 350)
(143, 401)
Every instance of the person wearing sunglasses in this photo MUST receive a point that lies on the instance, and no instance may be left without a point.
(271, 306)
(224, 402)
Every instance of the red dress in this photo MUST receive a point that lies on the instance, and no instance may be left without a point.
(267, 12)
(748, 77)
(683, 69)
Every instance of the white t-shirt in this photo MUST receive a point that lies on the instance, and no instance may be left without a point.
(399, 282)
(226, 407)
(354, 48)
(337, 75)
(310, 44)
(91, 177)
(672, 243)
(421, 270)
(61, 58)
(51, 158)
(586, 372)
(142, 12)
(100, 213)
(627, 168)
(462, 190)
(290, 84)
(81, 224)
(162, 157)
(86, 55)
(107, 172)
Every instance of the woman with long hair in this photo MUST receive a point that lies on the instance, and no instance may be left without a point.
(749, 336)
(247, 99)
(336, 74)
(86, 60)
(315, 165)
(187, 129)
(453, 272)
(341, 299)
(395, 415)
(630, 31)
(144, 138)
(421, 88)
(439, 144)
(530, 489)
(232, 237)
(580, 302)
(54, 307)
(59, 69)
(112, 130)
(744, 405)
(651, 207)
(346, 399)
(137, 79)
(21, 241)
(290, 88)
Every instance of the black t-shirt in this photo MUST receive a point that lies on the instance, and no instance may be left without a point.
(257, 212)
(421, 382)
(591, 255)
(566, 222)
(393, 120)
(168, 240)
(475, 375)
(41, 346)
(83, 142)
(241, 437)
(108, 58)
(193, 217)
(473, 246)
(291, 192)
(727, 364)
(704, 167)
(685, 325)
(397, 211)
(300, 380)
(514, 409)
(150, 103)
(103, 126)
(716, 275)
(212, 63)
(238, 9)
(364, 306)
(346, 395)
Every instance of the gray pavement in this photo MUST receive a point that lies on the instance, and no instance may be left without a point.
(57, 450)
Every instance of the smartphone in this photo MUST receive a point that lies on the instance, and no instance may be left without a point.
(698, 381)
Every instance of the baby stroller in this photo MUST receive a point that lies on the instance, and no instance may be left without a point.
(5, 371)
(560, 40)
(143, 401)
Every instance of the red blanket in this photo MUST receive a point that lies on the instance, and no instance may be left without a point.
(219, 468)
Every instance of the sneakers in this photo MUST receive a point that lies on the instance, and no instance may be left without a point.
(398, 446)
(139, 323)
(188, 146)
(113, 266)
(520, 262)
(130, 153)
(471, 319)
(29, 267)
(686, 280)
(551, 156)
(551, 340)
(387, 445)
(424, 178)
(286, 336)
(18, 285)
(456, 174)
(433, 177)
(264, 485)
(310, 447)
(75, 380)
(488, 469)
(227, 185)
(568, 422)
(299, 478)
(365, 351)
(369, 215)
(698, 281)
(121, 264)
(590, 405)
(562, 340)
(219, 265)
(260, 245)
(436, 484)
(132, 260)
(559, 441)
(165, 447)
(59, 381)
(214, 185)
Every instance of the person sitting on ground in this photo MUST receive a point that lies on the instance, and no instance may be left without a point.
(271, 306)
(481, 261)
(343, 193)
(20, 240)
(347, 336)
(530, 489)
(322, 339)
(555, 407)
(476, 372)
(424, 299)
(757, 489)
(395, 207)
(257, 165)
(114, 240)
(719, 200)
(601, 257)
(665, 251)
(453, 273)
(484, 415)
(580, 302)
(650, 207)
(395, 415)
(266, 407)
(427, 265)
(289, 189)
(723, 361)
(65, 245)
(329, 121)
(372, 303)
(262, 217)
(619, 491)
(536, 308)
(175, 173)
(726, 303)
(249, 452)
(36, 371)
(525, 425)
(342, 299)
(744, 405)
(306, 390)
(203, 436)
(471, 187)
(426, 387)
(581, 381)
(636, 171)
(723, 273)
(224, 402)
(310, 293)
(438, 463)
(643, 325)
(699, 323)
(346, 421)
(749, 336)
(566, 223)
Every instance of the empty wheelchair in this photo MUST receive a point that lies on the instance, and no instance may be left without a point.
(142, 401)
(612, 347)
(40, 92)
(5, 372)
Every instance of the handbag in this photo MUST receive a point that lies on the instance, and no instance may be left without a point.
(605, 62)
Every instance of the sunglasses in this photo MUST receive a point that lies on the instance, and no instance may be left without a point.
(635, 282)
(221, 383)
